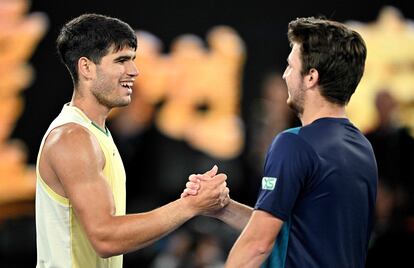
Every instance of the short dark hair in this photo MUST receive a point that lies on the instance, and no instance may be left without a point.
(335, 51)
(91, 36)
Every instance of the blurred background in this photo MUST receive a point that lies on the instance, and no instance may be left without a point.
(209, 92)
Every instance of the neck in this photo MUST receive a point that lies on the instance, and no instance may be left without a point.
(320, 108)
(91, 108)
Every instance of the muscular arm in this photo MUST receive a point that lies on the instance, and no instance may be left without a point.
(256, 241)
(76, 159)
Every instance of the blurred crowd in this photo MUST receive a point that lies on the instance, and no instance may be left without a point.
(393, 145)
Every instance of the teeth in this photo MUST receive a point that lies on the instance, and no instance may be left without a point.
(127, 84)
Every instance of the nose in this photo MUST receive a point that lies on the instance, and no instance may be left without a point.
(132, 70)
(284, 74)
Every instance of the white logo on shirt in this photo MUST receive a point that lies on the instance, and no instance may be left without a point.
(268, 183)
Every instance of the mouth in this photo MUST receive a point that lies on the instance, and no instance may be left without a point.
(128, 85)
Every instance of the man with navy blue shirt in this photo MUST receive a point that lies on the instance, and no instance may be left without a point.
(316, 203)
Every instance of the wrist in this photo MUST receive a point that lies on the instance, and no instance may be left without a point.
(219, 214)
(187, 206)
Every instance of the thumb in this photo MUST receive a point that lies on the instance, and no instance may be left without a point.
(212, 172)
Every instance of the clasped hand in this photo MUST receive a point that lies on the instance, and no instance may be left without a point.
(210, 187)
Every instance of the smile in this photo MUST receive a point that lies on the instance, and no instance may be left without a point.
(128, 84)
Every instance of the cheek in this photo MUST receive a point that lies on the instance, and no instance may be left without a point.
(290, 80)
(113, 72)
(113, 79)
(296, 77)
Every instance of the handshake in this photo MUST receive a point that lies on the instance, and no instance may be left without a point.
(208, 192)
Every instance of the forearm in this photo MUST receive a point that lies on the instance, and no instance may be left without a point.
(235, 214)
(122, 234)
(256, 241)
(246, 254)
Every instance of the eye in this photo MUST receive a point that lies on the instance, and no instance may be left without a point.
(122, 59)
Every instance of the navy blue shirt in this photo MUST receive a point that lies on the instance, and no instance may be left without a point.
(321, 181)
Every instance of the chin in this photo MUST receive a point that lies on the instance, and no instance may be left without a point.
(126, 100)
(121, 103)
(124, 103)
(297, 109)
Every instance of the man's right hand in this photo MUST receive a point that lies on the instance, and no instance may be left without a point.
(209, 191)
(193, 183)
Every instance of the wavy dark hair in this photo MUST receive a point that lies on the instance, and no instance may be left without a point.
(337, 52)
(91, 36)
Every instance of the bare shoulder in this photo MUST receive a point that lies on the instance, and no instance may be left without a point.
(68, 133)
(70, 141)
(65, 153)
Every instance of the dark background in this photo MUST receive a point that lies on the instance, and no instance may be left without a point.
(261, 24)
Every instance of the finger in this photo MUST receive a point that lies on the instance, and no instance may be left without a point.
(225, 197)
(191, 192)
(188, 192)
(226, 201)
(192, 185)
(215, 182)
(224, 193)
(227, 192)
(204, 177)
(220, 178)
(194, 178)
(222, 186)
(212, 172)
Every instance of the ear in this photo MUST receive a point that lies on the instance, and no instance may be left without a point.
(86, 68)
(312, 78)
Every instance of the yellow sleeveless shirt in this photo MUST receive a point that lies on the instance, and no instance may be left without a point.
(61, 241)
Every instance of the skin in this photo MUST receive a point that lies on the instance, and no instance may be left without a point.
(260, 229)
(304, 91)
(68, 147)
(294, 82)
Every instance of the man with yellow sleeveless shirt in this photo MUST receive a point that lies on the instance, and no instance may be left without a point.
(80, 193)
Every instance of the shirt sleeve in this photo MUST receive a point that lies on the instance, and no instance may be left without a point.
(289, 162)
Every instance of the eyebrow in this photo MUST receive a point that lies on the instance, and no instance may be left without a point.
(121, 58)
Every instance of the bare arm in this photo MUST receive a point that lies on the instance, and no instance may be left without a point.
(260, 228)
(76, 159)
(234, 214)
(256, 241)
